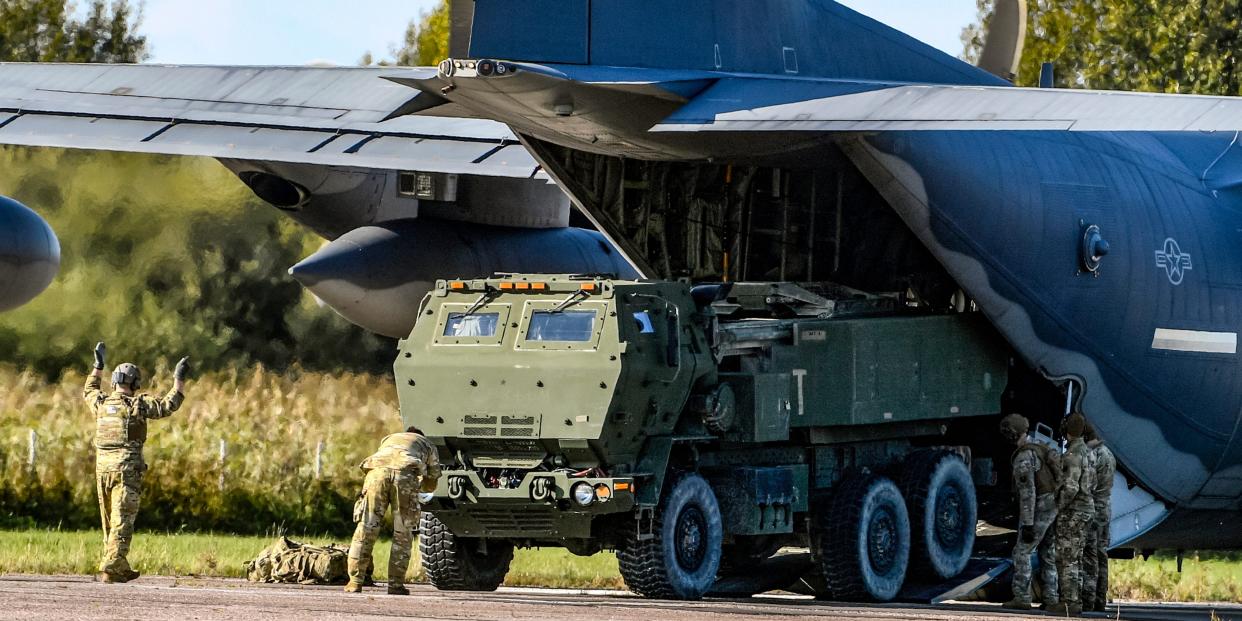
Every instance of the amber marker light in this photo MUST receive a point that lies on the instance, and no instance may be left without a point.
(523, 286)
(589, 287)
(602, 493)
(457, 286)
(539, 286)
(622, 486)
(506, 286)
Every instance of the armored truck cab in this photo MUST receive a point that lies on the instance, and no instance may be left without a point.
(696, 430)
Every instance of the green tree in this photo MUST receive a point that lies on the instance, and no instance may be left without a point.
(48, 31)
(426, 41)
(1144, 45)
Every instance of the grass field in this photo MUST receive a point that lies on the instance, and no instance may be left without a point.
(65, 552)
(1205, 577)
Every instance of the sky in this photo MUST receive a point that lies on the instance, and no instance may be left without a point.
(297, 32)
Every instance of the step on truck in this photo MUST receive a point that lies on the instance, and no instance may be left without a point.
(696, 431)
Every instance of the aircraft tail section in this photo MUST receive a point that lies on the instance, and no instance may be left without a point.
(805, 38)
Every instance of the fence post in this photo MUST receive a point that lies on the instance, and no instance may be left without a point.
(224, 452)
(319, 460)
(32, 450)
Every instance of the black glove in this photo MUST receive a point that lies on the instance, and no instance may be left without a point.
(1026, 534)
(100, 350)
(183, 369)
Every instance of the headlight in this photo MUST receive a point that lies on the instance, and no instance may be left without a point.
(602, 492)
(583, 494)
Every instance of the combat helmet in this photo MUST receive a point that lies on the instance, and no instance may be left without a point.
(1073, 425)
(128, 375)
(1014, 426)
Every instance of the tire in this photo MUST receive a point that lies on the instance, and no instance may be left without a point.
(682, 558)
(461, 564)
(940, 494)
(862, 540)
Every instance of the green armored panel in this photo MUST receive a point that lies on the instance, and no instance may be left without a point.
(763, 406)
(511, 366)
(881, 370)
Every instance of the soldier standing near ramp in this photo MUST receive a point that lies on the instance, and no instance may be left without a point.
(1034, 480)
(1095, 555)
(1075, 514)
(120, 432)
(405, 464)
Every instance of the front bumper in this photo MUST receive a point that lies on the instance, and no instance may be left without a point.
(542, 506)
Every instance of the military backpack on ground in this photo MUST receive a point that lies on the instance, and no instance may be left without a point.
(292, 562)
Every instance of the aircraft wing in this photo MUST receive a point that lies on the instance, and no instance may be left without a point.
(757, 104)
(338, 116)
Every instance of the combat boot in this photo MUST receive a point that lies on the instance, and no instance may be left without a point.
(398, 589)
(1017, 604)
(111, 578)
(353, 587)
(131, 575)
(1061, 609)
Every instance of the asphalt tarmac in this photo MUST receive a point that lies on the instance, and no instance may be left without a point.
(185, 599)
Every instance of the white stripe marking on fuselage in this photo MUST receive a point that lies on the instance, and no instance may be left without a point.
(1195, 341)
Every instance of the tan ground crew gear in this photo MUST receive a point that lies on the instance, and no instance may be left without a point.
(404, 464)
(120, 432)
(1095, 554)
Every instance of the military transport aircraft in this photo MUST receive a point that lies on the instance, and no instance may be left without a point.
(791, 140)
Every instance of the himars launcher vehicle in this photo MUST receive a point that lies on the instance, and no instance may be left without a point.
(697, 431)
(797, 141)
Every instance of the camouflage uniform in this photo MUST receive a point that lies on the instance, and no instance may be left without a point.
(120, 431)
(405, 464)
(1095, 555)
(1035, 485)
(1075, 514)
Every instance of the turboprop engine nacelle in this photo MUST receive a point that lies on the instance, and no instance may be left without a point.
(29, 254)
(376, 276)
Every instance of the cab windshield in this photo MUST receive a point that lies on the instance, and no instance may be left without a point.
(564, 326)
(475, 325)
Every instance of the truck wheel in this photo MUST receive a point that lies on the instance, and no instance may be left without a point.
(681, 560)
(461, 564)
(862, 540)
(943, 512)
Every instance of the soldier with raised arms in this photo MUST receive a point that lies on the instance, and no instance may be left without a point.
(1075, 514)
(405, 464)
(1095, 554)
(120, 433)
(1034, 481)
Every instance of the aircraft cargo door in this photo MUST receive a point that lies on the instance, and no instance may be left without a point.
(539, 31)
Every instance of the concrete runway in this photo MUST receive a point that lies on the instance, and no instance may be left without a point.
(185, 599)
